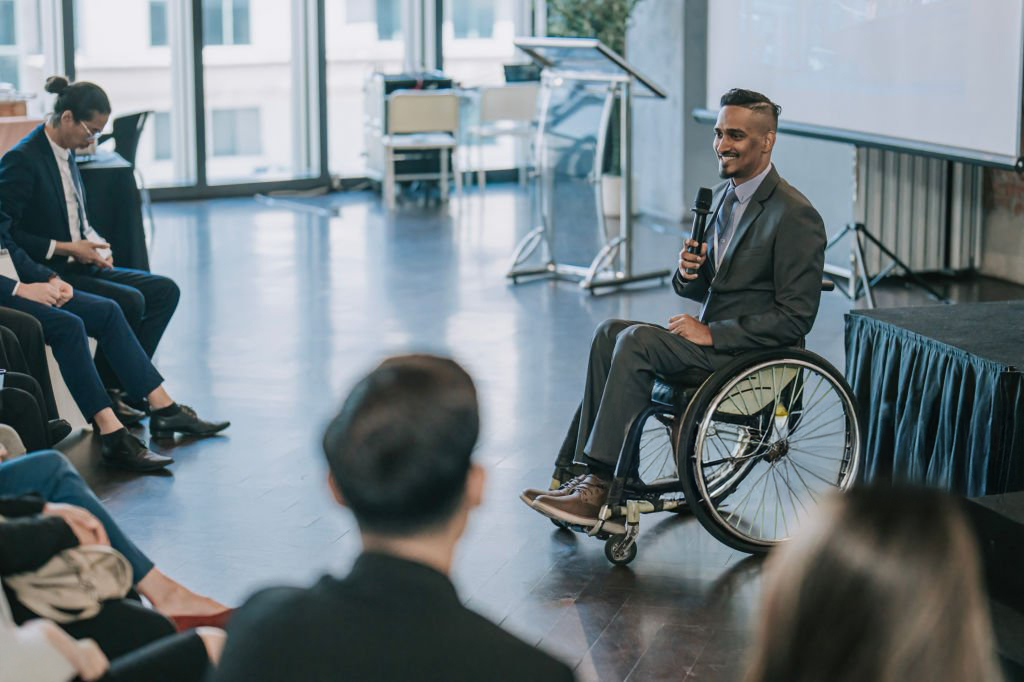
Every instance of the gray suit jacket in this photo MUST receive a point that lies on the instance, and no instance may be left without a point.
(767, 291)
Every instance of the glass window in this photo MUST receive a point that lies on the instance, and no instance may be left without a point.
(389, 20)
(22, 62)
(161, 136)
(258, 122)
(477, 40)
(158, 23)
(363, 37)
(472, 18)
(9, 70)
(236, 132)
(240, 22)
(225, 22)
(7, 23)
(163, 157)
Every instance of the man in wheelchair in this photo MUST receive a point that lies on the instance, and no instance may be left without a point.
(758, 276)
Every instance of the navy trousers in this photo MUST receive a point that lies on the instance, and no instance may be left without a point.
(148, 302)
(66, 329)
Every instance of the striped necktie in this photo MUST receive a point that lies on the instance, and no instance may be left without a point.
(724, 226)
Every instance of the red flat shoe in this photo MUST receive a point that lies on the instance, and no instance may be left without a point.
(213, 620)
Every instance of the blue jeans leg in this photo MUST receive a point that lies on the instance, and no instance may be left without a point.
(49, 475)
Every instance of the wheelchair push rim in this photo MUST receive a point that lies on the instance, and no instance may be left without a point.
(767, 441)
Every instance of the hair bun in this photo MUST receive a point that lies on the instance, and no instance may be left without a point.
(56, 84)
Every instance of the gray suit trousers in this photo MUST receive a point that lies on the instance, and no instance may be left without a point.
(625, 357)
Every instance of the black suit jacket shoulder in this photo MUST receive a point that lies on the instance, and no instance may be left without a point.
(390, 619)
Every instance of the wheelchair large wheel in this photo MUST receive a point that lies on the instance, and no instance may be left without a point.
(764, 439)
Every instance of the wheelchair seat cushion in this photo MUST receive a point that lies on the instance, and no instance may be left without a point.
(665, 389)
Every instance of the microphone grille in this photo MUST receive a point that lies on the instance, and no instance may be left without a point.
(703, 200)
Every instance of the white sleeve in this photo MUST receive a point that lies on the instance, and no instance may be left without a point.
(94, 236)
(28, 656)
(53, 247)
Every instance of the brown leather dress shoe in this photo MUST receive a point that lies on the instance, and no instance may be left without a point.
(531, 494)
(579, 507)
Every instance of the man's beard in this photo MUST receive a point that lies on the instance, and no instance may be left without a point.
(722, 173)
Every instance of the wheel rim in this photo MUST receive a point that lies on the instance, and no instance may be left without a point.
(773, 441)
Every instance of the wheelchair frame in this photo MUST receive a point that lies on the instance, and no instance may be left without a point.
(691, 414)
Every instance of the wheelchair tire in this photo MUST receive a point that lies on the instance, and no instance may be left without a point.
(614, 552)
(738, 445)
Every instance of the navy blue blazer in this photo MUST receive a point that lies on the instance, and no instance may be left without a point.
(32, 194)
(28, 270)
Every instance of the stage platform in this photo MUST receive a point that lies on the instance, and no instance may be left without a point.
(941, 394)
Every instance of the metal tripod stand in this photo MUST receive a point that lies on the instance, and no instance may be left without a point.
(860, 282)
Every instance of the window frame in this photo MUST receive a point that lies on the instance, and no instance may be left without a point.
(421, 22)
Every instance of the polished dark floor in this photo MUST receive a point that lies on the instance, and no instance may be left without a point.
(284, 306)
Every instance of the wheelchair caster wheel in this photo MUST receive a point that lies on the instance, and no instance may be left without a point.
(619, 550)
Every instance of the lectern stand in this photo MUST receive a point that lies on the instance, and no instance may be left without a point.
(581, 80)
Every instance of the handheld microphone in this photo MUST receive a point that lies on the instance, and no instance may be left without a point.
(701, 209)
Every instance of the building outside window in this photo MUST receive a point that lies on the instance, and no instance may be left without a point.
(472, 18)
(22, 62)
(363, 36)
(225, 22)
(8, 44)
(162, 136)
(389, 19)
(235, 132)
(7, 23)
(158, 23)
(123, 47)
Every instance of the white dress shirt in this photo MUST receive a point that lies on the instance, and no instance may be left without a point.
(78, 231)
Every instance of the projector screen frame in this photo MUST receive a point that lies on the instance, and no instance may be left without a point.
(894, 144)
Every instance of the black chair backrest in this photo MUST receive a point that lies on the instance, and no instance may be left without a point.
(127, 132)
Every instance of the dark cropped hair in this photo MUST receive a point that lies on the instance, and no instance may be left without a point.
(399, 449)
(84, 100)
(755, 101)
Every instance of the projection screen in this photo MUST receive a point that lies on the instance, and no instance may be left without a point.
(939, 72)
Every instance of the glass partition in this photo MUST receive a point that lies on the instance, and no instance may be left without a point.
(126, 48)
(363, 36)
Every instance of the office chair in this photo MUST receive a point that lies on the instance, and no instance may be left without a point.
(127, 131)
(420, 121)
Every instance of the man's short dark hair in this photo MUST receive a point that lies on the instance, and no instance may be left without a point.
(399, 449)
(755, 101)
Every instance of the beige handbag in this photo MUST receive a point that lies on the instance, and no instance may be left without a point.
(73, 584)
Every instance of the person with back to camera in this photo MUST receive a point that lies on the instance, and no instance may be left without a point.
(399, 454)
(881, 584)
(758, 276)
(41, 190)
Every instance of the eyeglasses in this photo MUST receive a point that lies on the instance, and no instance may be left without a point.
(92, 134)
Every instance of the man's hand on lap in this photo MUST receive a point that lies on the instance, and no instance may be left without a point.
(690, 328)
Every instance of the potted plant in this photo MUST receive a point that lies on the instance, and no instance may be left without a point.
(607, 21)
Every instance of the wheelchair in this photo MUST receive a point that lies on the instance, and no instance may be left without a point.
(749, 449)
